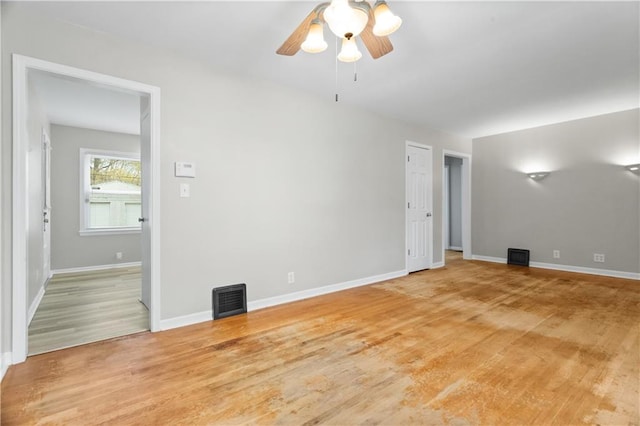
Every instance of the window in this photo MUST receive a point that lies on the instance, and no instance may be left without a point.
(110, 192)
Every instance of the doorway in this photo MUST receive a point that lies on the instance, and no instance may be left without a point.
(419, 201)
(150, 214)
(453, 203)
(456, 203)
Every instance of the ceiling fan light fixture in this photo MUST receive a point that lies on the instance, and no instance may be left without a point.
(386, 22)
(349, 51)
(314, 43)
(343, 19)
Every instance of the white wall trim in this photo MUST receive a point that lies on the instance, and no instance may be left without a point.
(185, 320)
(489, 258)
(585, 270)
(437, 265)
(96, 268)
(306, 294)
(36, 302)
(21, 64)
(19, 211)
(285, 298)
(567, 268)
(5, 361)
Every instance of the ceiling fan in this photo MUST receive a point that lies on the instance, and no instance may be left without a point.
(347, 19)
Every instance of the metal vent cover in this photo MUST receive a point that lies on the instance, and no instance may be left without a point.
(229, 300)
(518, 257)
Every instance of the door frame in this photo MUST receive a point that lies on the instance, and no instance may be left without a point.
(466, 201)
(406, 200)
(46, 208)
(21, 66)
(446, 231)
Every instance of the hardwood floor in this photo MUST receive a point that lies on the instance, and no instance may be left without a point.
(471, 343)
(80, 308)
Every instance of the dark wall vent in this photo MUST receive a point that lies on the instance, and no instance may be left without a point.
(229, 300)
(518, 257)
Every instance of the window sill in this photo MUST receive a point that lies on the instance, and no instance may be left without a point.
(108, 231)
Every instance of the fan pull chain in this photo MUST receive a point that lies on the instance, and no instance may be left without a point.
(355, 71)
(336, 59)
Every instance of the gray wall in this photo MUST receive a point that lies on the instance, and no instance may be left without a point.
(36, 121)
(326, 202)
(588, 204)
(68, 248)
(455, 201)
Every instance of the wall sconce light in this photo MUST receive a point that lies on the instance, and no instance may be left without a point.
(538, 175)
(633, 168)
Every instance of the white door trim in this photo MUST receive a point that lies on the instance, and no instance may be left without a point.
(466, 200)
(21, 65)
(46, 208)
(406, 200)
(446, 231)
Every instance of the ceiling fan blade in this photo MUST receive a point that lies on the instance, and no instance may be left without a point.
(377, 46)
(291, 45)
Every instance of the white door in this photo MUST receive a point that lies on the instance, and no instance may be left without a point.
(419, 213)
(46, 207)
(145, 159)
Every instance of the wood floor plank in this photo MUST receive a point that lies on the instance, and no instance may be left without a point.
(85, 307)
(470, 343)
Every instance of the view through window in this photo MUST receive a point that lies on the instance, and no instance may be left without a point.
(113, 192)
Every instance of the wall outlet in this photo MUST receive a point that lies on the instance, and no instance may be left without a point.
(291, 277)
(598, 257)
(556, 254)
(119, 255)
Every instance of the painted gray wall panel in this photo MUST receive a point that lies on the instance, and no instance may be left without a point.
(277, 189)
(68, 248)
(588, 204)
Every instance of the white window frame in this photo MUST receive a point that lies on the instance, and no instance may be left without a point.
(85, 185)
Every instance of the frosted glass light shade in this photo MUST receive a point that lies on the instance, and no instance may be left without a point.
(349, 51)
(343, 19)
(314, 43)
(634, 168)
(538, 175)
(386, 22)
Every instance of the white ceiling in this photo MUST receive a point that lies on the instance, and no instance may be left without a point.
(469, 68)
(79, 104)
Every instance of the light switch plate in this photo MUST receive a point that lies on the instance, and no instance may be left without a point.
(185, 191)
(185, 169)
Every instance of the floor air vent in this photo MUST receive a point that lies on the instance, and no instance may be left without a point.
(229, 300)
(518, 257)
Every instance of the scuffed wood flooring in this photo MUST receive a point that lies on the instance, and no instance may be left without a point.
(80, 308)
(470, 343)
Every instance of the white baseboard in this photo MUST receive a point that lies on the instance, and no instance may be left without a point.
(95, 268)
(36, 302)
(437, 265)
(185, 320)
(5, 362)
(278, 300)
(319, 291)
(585, 270)
(488, 258)
(567, 268)
(455, 248)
